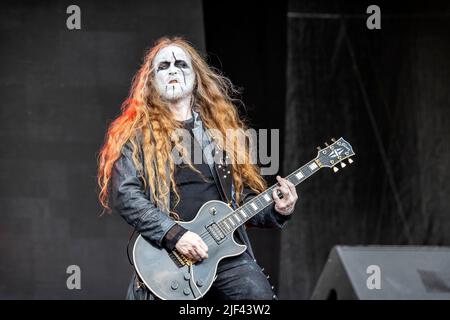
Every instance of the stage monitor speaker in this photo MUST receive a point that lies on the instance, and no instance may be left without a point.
(385, 273)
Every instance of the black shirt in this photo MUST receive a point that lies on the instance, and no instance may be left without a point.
(194, 189)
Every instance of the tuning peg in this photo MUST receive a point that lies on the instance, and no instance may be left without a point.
(350, 160)
(326, 144)
(335, 169)
(319, 148)
(333, 139)
(343, 165)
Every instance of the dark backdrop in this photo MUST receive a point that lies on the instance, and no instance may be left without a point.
(59, 90)
(387, 92)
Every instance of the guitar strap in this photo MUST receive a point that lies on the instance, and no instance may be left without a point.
(219, 162)
(224, 172)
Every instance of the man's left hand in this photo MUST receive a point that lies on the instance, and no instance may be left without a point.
(285, 205)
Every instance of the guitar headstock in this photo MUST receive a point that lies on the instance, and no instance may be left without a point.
(335, 154)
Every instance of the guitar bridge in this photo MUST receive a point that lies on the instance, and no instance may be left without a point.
(179, 259)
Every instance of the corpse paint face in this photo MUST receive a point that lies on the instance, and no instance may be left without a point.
(174, 76)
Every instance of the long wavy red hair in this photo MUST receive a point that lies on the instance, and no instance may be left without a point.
(144, 109)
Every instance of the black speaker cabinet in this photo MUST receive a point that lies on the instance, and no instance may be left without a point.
(385, 273)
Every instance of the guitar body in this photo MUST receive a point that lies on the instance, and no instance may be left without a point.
(167, 278)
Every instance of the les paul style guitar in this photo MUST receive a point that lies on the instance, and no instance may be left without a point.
(172, 276)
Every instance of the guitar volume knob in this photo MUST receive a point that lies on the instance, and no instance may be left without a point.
(174, 285)
(200, 283)
(187, 276)
(186, 291)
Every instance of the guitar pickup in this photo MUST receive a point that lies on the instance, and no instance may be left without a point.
(216, 233)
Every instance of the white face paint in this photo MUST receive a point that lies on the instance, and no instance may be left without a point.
(174, 76)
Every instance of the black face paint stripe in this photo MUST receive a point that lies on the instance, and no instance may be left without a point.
(184, 77)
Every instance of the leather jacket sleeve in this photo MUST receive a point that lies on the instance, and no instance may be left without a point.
(267, 218)
(172, 236)
(130, 200)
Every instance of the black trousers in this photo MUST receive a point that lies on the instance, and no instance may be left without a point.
(238, 278)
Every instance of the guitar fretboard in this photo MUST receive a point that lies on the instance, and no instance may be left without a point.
(264, 199)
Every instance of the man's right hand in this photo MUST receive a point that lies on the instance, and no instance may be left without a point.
(192, 246)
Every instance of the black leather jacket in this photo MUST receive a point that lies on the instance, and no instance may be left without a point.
(134, 203)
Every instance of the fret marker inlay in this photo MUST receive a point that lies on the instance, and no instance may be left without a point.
(313, 166)
(299, 175)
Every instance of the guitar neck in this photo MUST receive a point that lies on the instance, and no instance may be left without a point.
(264, 199)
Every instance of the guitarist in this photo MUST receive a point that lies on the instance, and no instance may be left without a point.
(140, 176)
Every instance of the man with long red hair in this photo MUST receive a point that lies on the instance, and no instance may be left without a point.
(140, 176)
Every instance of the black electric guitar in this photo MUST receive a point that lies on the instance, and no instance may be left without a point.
(170, 275)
